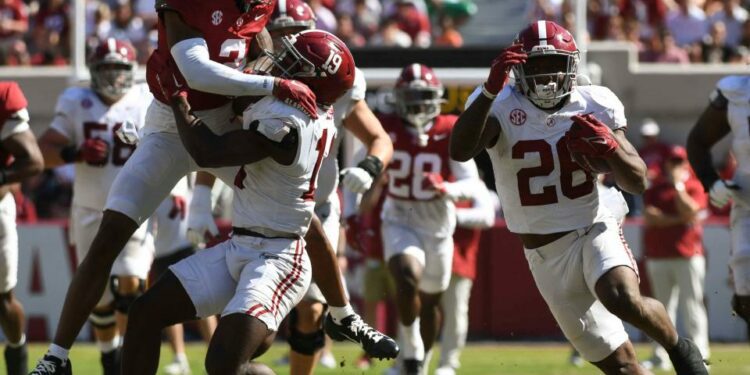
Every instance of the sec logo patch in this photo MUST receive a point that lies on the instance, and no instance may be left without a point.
(517, 117)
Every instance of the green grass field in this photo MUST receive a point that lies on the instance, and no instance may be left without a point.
(481, 358)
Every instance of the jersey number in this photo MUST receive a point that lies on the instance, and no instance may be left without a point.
(568, 166)
(233, 52)
(407, 174)
(120, 151)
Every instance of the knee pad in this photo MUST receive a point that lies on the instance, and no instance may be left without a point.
(102, 319)
(122, 302)
(304, 343)
(743, 313)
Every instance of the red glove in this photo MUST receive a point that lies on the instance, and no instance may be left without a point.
(352, 232)
(590, 136)
(500, 67)
(94, 151)
(171, 82)
(179, 207)
(296, 94)
(435, 181)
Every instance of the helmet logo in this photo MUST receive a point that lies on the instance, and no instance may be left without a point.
(239, 22)
(550, 122)
(216, 17)
(517, 117)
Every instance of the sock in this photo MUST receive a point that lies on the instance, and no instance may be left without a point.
(413, 346)
(18, 344)
(676, 348)
(339, 313)
(58, 352)
(180, 357)
(108, 346)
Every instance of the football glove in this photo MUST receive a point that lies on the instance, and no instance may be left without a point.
(356, 179)
(201, 225)
(171, 82)
(296, 94)
(128, 133)
(721, 191)
(94, 151)
(500, 68)
(590, 136)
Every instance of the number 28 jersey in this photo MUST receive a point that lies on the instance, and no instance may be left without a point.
(541, 189)
(81, 115)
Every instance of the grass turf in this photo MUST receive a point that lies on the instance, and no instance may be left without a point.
(479, 358)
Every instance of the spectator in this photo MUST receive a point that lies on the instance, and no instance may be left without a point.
(14, 23)
(651, 14)
(745, 38)
(325, 20)
(714, 48)
(413, 22)
(346, 32)
(459, 11)
(449, 35)
(733, 16)
(127, 26)
(144, 9)
(661, 48)
(52, 34)
(366, 19)
(653, 151)
(390, 35)
(673, 234)
(350, 7)
(687, 23)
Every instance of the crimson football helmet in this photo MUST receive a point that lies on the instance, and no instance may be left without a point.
(257, 7)
(549, 74)
(112, 65)
(418, 94)
(291, 16)
(318, 59)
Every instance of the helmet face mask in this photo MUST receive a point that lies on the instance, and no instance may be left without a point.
(549, 74)
(112, 67)
(418, 97)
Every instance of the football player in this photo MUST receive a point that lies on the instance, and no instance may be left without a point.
(208, 42)
(83, 133)
(351, 112)
(581, 264)
(256, 277)
(21, 159)
(727, 113)
(419, 214)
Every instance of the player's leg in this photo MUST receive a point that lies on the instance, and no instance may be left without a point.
(236, 339)
(455, 323)
(739, 262)
(621, 361)
(12, 316)
(436, 277)
(147, 177)
(663, 277)
(613, 273)
(691, 279)
(199, 285)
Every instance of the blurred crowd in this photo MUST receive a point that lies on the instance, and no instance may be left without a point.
(664, 31)
(38, 32)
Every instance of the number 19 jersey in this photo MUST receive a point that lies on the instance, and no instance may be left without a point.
(541, 188)
(81, 115)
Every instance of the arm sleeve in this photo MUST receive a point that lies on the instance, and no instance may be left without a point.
(467, 177)
(482, 212)
(203, 74)
(18, 122)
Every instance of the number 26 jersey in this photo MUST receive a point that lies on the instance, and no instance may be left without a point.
(541, 189)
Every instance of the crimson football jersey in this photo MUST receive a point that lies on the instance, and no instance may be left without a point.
(12, 101)
(227, 31)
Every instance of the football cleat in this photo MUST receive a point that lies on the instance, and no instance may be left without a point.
(354, 329)
(412, 367)
(687, 359)
(51, 365)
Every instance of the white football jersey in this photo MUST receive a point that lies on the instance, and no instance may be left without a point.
(81, 115)
(274, 198)
(541, 189)
(736, 90)
(329, 172)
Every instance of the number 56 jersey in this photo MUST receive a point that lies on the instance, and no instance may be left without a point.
(81, 115)
(541, 188)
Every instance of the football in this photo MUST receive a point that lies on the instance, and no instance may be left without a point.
(591, 163)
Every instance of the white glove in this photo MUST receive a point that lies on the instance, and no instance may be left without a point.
(128, 133)
(356, 179)
(201, 225)
(721, 191)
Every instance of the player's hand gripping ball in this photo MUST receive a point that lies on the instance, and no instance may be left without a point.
(590, 142)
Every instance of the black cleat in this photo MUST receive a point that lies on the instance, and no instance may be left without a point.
(687, 359)
(16, 360)
(111, 362)
(412, 367)
(354, 329)
(51, 365)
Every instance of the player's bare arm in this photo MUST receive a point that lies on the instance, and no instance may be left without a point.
(711, 127)
(371, 197)
(366, 127)
(474, 130)
(28, 159)
(235, 148)
(51, 144)
(628, 168)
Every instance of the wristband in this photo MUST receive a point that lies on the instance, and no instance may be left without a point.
(488, 94)
(372, 165)
(679, 186)
(69, 154)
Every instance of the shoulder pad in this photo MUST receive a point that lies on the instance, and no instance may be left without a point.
(12, 97)
(600, 95)
(359, 88)
(734, 88)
